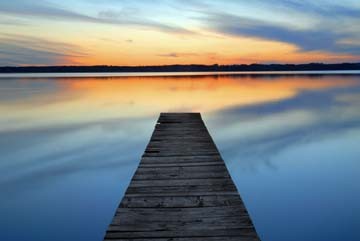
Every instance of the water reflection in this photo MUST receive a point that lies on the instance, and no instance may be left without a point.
(262, 130)
(74, 100)
(69, 147)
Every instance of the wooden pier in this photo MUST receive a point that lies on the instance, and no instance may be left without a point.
(181, 190)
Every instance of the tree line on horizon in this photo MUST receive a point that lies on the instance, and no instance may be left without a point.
(181, 68)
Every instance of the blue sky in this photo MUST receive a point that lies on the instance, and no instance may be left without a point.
(46, 32)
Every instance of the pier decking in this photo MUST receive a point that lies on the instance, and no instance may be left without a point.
(181, 190)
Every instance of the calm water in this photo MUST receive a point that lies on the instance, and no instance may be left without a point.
(69, 146)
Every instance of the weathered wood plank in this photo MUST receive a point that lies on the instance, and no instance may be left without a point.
(176, 194)
(177, 154)
(181, 201)
(186, 214)
(190, 189)
(234, 238)
(179, 175)
(180, 159)
(205, 232)
(185, 182)
(188, 169)
(182, 190)
(181, 164)
(177, 224)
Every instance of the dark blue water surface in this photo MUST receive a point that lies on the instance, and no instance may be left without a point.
(70, 145)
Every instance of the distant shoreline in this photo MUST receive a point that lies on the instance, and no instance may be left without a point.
(183, 68)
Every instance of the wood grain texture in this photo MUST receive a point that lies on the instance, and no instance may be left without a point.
(182, 190)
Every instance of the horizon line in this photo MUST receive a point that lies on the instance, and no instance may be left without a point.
(169, 65)
(182, 68)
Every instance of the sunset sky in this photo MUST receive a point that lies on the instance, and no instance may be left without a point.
(156, 32)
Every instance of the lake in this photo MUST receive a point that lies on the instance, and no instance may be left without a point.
(69, 145)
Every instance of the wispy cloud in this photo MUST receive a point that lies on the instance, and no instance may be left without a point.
(130, 18)
(12, 22)
(25, 50)
(40, 8)
(112, 41)
(309, 25)
(307, 40)
(325, 8)
(169, 55)
(45, 9)
(177, 55)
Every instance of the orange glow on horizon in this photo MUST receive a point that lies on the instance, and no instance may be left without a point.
(154, 48)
